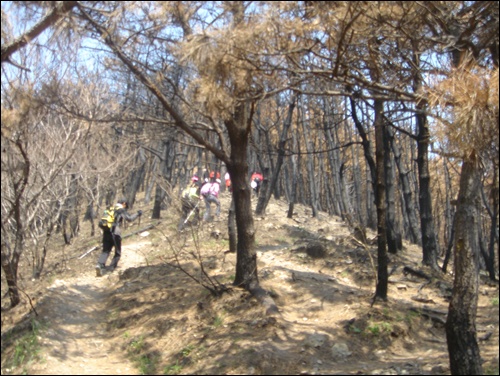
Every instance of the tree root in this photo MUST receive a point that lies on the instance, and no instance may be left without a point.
(266, 300)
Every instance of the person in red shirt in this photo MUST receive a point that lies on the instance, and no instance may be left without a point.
(256, 181)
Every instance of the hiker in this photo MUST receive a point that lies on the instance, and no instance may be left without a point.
(111, 237)
(214, 175)
(190, 203)
(256, 181)
(210, 192)
(227, 178)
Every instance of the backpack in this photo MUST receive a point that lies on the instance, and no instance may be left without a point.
(108, 219)
(190, 193)
(205, 190)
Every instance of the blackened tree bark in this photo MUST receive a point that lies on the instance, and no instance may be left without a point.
(292, 180)
(238, 127)
(151, 181)
(430, 245)
(166, 162)
(10, 262)
(160, 191)
(394, 239)
(449, 248)
(135, 179)
(408, 207)
(231, 228)
(489, 258)
(266, 192)
(449, 211)
(429, 240)
(356, 178)
(382, 274)
(11, 251)
(493, 214)
(70, 213)
(461, 335)
(309, 144)
(370, 161)
(340, 205)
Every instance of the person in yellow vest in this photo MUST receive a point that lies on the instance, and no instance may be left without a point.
(112, 237)
(190, 204)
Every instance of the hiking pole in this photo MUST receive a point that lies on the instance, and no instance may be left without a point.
(191, 213)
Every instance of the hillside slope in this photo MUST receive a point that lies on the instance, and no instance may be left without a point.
(150, 317)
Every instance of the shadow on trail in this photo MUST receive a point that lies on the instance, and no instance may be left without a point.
(74, 312)
(74, 339)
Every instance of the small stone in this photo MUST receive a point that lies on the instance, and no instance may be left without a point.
(316, 340)
(340, 351)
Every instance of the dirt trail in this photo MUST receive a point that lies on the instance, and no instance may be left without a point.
(75, 340)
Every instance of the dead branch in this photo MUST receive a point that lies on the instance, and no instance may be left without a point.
(141, 230)
(86, 253)
(417, 273)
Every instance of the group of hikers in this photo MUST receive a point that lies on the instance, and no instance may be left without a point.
(207, 190)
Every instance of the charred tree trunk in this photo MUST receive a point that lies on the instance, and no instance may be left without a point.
(292, 180)
(365, 142)
(39, 258)
(429, 239)
(449, 212)
(461, 334)
(151, 180)
(449, 248)
(9, 266)
(265, 195)
(382, 274)
(246, 261)
(11, 253)
(394, 239)
(70, 213)
(409, 207)
(430, 245)
(135, 179)
(489, 254)
(357, 199)
(231, 228)
(165, 171)
(309, 144)
(339, 204)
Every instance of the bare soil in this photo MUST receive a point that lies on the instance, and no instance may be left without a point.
(149, 317)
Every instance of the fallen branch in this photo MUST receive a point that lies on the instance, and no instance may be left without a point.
(86, 253)
(415, 272)
(138, 231)
(431, 314)
(422, 299)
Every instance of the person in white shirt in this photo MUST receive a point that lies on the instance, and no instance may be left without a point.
(210, 193)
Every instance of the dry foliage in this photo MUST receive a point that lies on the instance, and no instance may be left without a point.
(466, 107)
